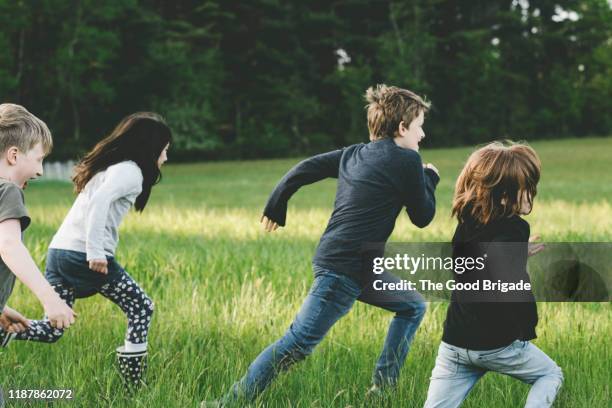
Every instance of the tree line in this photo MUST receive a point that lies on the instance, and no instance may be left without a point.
(270, 78)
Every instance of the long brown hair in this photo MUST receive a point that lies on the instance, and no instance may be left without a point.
(139, 137)
(494, 180)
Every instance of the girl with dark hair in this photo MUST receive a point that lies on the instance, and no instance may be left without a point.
(117, 173)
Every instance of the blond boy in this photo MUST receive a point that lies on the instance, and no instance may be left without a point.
(25, 140)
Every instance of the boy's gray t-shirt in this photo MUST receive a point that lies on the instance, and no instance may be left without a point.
(12, 206)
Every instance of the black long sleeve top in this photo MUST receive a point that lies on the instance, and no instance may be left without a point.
(375, 181)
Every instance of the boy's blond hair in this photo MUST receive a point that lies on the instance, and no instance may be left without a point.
(21, 129)
(388, 106)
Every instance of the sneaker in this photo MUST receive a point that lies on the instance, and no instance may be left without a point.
(226, 401)
(378, 395)
(6, 337)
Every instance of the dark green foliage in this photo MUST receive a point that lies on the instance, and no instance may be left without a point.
(263, 78)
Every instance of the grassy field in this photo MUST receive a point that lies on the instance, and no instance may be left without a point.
(224, 290)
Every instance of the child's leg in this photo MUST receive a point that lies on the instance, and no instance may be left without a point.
(452, 378)
(137, 306)
(409, 308)
(523, 360)
(331, 297)
(41, 330)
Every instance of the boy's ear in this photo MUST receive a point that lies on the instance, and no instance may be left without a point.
(402, 128)
(11, 155)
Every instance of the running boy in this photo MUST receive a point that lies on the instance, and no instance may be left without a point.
(25, 140)
(375, 181)
(491, 330)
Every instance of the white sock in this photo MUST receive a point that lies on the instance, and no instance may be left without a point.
(133, 347)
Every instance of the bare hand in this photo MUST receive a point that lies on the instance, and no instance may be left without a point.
(99, 265)
(534, 247)
(431, 166)
(268, 224)
(12, 321)
(60, 315)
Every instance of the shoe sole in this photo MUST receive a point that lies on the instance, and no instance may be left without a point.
(7, 339)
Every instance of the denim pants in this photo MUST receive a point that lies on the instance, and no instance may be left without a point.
(457, 370)
(331, 296)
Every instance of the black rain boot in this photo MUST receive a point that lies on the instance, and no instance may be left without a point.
(132, 365)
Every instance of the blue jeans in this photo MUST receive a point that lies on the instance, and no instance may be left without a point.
(457, 370)
(331, 297)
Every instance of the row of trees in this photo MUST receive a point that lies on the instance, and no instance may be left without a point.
(267, 78)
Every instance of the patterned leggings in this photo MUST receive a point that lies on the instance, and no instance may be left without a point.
(124, 292)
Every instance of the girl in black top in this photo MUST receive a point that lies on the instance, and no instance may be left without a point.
(490, 330)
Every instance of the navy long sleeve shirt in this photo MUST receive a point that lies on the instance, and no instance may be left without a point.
(375, 181)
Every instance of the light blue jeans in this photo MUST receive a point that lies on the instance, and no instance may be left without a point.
(331, 296)
(457, 370)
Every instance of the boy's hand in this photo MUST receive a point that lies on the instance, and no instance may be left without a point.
(99, 265)
(268, 224)
(431, 166)
(60, 315)
(534, 247)
(12, 321)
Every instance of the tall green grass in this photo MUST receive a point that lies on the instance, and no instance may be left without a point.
(224, 289)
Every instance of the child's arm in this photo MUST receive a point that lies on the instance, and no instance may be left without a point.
(12, 321)
(419, 191)
(119, 181)
(306, 172)
(18, 259)
(535, 247)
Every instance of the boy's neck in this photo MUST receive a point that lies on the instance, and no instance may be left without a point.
(6, 173)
